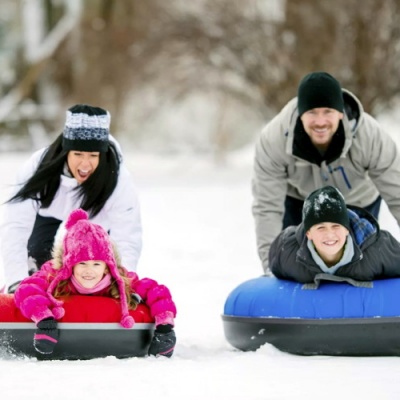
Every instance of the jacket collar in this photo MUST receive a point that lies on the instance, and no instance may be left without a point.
(304, 149)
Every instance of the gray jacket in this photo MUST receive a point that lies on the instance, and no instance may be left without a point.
(363, 163)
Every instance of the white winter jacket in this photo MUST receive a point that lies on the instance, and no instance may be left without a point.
(120, 216)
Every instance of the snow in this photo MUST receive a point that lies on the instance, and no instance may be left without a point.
(199, 240)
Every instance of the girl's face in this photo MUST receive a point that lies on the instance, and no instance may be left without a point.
(329, 240)
(82, 164)
(90, 273)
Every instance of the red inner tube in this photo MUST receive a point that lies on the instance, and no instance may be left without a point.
(79, 309)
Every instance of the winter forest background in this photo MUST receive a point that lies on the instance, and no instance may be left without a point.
(180, 76)
(189, 85)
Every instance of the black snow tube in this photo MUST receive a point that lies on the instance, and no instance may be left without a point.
(336, 319)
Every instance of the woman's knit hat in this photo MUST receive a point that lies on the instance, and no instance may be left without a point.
(319, 89)
(85, 241)
(325, 205)
(86, 128)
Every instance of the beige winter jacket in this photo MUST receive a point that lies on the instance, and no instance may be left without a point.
(368, 165)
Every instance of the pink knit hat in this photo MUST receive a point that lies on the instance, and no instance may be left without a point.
(85, 241)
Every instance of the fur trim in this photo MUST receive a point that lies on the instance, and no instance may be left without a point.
(57, 255)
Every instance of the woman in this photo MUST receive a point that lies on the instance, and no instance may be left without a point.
(81, 169)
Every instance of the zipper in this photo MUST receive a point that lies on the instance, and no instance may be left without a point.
(343, 172)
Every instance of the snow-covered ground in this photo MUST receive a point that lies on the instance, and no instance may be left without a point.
(199, 240)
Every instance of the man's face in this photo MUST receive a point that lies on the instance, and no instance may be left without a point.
(320, 125)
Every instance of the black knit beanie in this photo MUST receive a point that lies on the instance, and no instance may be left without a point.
(86, 129)
(319, 89)
(325, 205)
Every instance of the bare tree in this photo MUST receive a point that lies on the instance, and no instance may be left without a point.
(252, 52)
(358, 43)
(99, 64)
(39, 42)
(38, 54)
(260, 57)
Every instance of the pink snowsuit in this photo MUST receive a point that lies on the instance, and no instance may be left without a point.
(33, 300)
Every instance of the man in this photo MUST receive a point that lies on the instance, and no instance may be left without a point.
(322, 137)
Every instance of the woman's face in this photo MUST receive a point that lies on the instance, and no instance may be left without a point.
(90, 273)
(82, 164)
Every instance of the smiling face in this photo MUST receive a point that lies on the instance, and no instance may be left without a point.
(90, 273)
(320, 125)
(82, 164)
(329, 240)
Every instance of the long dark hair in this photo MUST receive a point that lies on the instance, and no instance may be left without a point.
(94, 192)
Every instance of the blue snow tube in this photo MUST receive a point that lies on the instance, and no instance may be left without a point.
(334, 319)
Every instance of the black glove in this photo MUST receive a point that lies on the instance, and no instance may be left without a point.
(12, 288)
(46, 336)
(163, 342)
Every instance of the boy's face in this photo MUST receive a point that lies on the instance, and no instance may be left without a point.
(90, 273)
(321, 124)
(329, 240)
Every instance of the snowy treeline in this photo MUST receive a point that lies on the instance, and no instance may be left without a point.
(177, 75)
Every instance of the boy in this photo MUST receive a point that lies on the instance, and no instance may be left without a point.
(334, 239)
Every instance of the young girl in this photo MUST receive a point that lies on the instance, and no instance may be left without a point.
(334, 239)
(86, 263)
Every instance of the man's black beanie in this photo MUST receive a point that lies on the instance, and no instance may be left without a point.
(319, 89)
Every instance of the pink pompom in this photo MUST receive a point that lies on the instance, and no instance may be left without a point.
(127, 321)
(75, 216)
